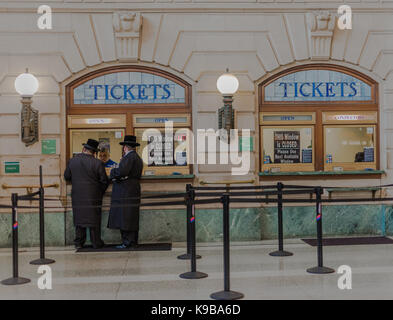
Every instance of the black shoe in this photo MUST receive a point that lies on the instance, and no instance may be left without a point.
(101, 245)
(78, 246)
(134, 244)
(122, 246)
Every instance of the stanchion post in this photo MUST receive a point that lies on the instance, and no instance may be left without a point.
(319, 269)
(193, 274)
(15, 280)
(42, 260)
(280, 252)
(187, 256)
(226, 294)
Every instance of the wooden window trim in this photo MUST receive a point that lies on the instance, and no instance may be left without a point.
(128, 110)
(293, 166)
(352, 165)
(71, 86)
(319, 66)
(321, 106)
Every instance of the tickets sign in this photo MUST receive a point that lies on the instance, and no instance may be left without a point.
(129, 88)
(317, 85)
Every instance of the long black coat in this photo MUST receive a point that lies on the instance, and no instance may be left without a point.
(89, 182)
(124, 213)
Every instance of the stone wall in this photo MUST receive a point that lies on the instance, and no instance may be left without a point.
(195, 40)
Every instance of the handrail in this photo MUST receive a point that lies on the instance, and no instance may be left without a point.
(29, 188)
(227, 182)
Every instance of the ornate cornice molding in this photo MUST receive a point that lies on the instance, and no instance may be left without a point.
(127, 27)
(320, 26)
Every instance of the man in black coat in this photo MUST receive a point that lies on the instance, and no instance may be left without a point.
(124, 213)
(89, 182)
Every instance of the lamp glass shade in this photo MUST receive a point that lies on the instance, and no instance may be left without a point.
(26, 84)
(227, 84)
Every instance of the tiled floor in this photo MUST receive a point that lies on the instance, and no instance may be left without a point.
(155, 275)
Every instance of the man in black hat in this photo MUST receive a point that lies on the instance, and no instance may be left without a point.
(89, 182)
(124, 213)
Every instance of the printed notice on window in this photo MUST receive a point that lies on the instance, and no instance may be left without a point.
(160, 150)
(287, 147)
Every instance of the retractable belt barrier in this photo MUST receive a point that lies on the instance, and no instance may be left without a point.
(191, 238)
(15, 279)
(319, 269)
(192, 197)
(227, 293)
(42, 260)
(190, 206)
(235, 188)
(280, 252)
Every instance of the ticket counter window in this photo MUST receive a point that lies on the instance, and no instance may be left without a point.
(164, 152)
(110, 138)
(109, 131)
(321, 118)
(350, 146)
(133, 100)
(287, 148)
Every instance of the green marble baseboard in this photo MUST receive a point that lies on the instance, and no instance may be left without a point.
(337, 221)
(321, 173)
(246, 224)
(28, 232)
(170, 225)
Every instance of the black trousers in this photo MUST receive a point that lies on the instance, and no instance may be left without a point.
(95, 236)
(129, 238)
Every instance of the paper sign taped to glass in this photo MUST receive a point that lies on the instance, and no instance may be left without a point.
(287, 147)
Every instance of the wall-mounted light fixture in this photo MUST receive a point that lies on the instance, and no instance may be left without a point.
(227, 84)
(26, 85)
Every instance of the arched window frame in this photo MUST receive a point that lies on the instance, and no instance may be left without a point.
(318, 107)
(129, 110)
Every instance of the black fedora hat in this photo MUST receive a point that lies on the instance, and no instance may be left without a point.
(91, 144)
(130, 141)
